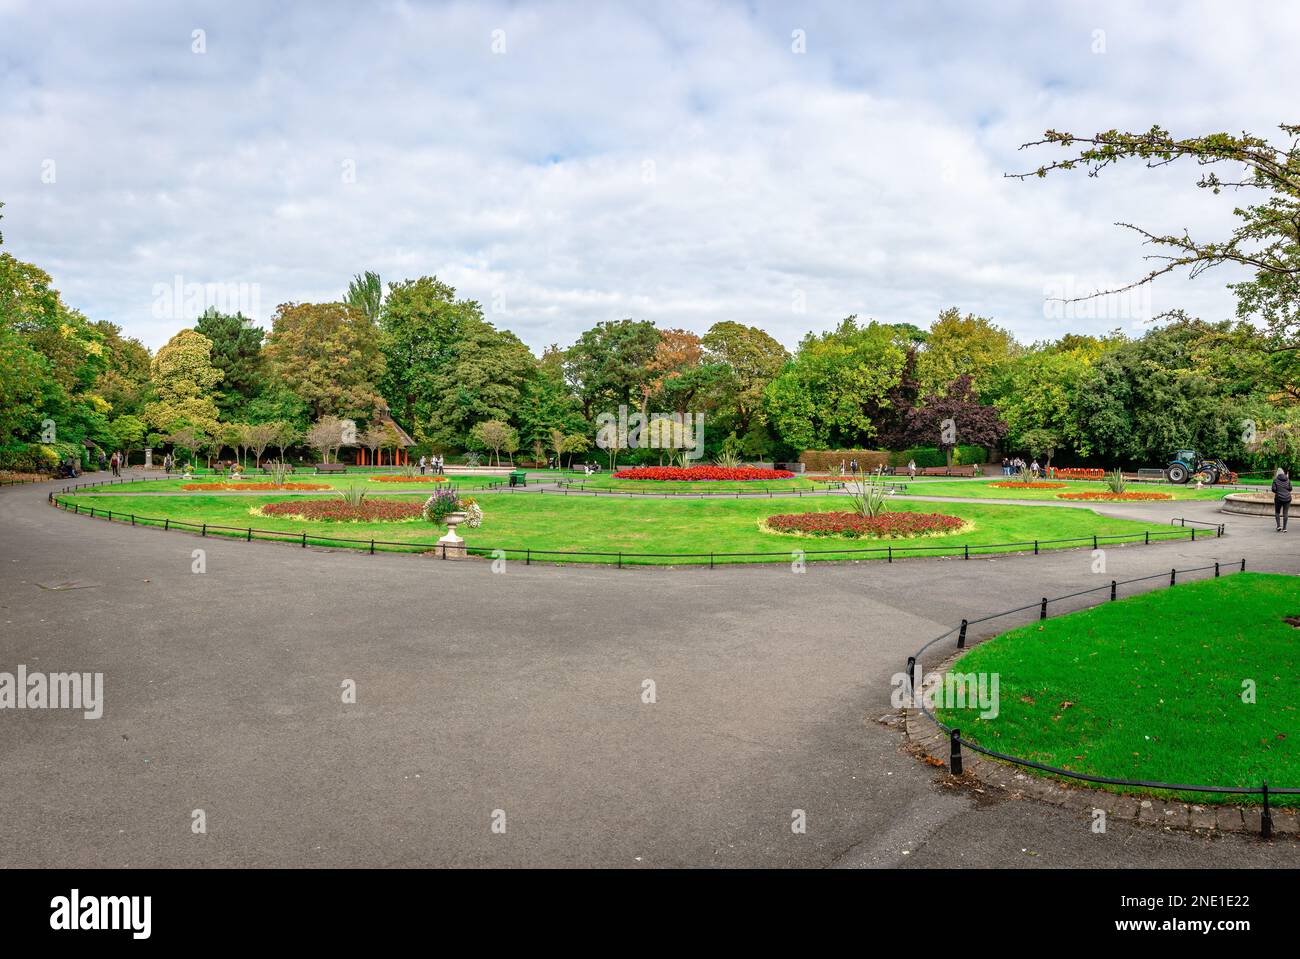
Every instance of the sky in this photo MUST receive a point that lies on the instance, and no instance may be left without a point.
(782, 165)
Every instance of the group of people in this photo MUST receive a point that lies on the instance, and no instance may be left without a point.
(1015, 466)
(433, 463)
(115, 462)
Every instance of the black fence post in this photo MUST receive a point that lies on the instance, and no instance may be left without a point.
(167, 524)
(1094, 540)
(1193, 534)
(954, 752)
(205, 529)
(1042, 612)
(528, 557)
(1216, 569)
(967, 552)
(1035, 547)
(889, 553)
(1243, 564)
(1266, 817)
(1112, 590)
(1173, 576)
(372, 547)
(1146, 537)
(304, 539)
(961, 637)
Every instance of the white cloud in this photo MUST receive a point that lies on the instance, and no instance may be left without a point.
(677, 163)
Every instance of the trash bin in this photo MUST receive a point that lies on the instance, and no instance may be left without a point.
(518, 477)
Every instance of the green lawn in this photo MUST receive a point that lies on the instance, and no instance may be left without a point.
(983, 489)
(556, 522)
(1150, 687)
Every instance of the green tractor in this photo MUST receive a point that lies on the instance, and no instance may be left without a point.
(1187, 464)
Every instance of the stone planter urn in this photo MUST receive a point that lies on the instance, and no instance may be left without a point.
(452, 546)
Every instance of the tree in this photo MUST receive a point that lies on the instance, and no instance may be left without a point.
(575, 443)
(183, 379)
(128, 433)
(495, 436)
(1040, 441)
(1266, 240)
(190, 439)
(366, 295)
(258, 436)
(955, 417)
(422, 322)
(610, 364)
(326, 436)
(329, 355)
(750, 359)
(833, 394)
(958, 347)
(286, 434)
(237, 353)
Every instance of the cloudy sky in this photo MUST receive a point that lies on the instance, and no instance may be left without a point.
(777, 164)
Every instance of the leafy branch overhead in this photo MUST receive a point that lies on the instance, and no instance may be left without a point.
(1266, 239)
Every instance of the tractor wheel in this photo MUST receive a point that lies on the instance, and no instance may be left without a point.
(1211, 475)
(1176, 473)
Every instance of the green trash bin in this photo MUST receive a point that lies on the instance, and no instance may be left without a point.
(518, 477)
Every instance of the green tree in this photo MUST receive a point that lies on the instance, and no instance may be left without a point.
(237, 353)
(366, 295)
(184, 381)
(610, 365)
(957, 347)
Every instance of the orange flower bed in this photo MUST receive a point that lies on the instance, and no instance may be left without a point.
(1107, 497)
(404, 479)
(1030, 485)
(270, 487)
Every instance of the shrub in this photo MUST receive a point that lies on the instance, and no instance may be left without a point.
(354, 495)
(1115, 481)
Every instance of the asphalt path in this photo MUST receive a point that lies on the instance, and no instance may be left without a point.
(516, 697)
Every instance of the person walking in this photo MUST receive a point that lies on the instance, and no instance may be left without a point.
(423, 463)
(1281, 499)
(1006, 466)
(103, 460)
(911, 469)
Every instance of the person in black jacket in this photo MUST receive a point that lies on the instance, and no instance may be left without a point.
(1281, 499)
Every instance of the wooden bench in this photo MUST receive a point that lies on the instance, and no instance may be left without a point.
(331, 468)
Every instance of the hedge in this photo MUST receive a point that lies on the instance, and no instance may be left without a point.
(816, 461)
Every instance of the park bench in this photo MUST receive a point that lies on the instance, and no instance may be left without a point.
(331, 468)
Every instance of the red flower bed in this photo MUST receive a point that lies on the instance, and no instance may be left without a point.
(694, 474)
(335, 510)
(408, 479)
(1105, 496)
(254, 486)
(1071, 472)
(1029, 485)
(884, 526)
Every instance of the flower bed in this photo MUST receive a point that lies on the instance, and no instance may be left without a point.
(271, 487)
(1014, 485)
(1104, 496)
(335, 510)
(884, 526)
(408, 479)
(1078, 473)
(694, 474)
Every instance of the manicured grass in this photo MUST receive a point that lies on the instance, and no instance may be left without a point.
(585, 523)
(1150, 687)
(608, 482)
(983, 489)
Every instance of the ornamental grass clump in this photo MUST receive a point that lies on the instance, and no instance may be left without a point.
(354, 495)
(1115, 481)
(867, 494)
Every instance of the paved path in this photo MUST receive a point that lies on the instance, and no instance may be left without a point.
(518, 692)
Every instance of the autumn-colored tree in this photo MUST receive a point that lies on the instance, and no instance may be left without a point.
(329, 355)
